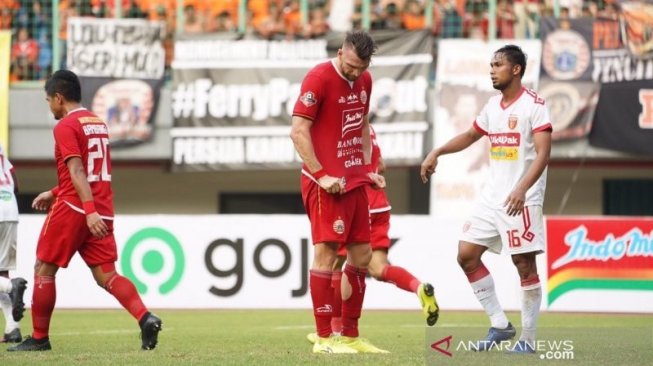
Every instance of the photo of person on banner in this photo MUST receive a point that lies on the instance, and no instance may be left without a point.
(127, 106)
(123, 114)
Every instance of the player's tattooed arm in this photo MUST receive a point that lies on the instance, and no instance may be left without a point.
(300, 134)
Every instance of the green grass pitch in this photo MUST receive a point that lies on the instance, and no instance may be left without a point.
(277, 337)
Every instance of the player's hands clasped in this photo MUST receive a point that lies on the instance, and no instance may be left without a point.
(428, 166)
(514, 204)
(96, 225)
(378, 181)
(332, 184)
(43, 201)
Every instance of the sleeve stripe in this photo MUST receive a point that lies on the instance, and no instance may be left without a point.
(545, 127)
(71, 156)
(304, 116)
(479, 129)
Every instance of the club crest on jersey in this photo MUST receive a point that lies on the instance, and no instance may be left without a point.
(467, 226)
(308, 99)
(512, 121)
(363, 96)
(339, 226)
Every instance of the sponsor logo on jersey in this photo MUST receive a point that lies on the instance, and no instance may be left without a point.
(363, 96)
(327, 308)
(505, 146)
(505, 139)
(352, 120)
(512, 121)
(352, 98)
(308, 99)
(504, 153)
(339, 226)
(342, 100)
(5, 196)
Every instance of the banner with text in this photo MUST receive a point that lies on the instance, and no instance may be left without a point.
(462, 88)
(598, 77)
(600, 262)
(218, 261)
(566, 80)
(232, 99)
(120, 63)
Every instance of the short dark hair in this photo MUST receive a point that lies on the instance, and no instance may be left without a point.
(362, 43)
(66, 83)
(515, 56)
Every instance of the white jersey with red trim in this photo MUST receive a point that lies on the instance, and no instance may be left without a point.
(8, 205)
(510, 129)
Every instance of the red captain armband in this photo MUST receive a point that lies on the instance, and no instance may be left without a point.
(89, 207)
(319, 174)
(55, 191)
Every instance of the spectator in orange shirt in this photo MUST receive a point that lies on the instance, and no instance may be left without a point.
(292, 19)
(413, 16)
(24, 56)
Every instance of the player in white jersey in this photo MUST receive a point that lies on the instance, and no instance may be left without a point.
(509, 214)
(11, 291)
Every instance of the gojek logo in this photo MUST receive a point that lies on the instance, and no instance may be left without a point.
(153, 258)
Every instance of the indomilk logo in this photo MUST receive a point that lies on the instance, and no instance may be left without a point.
(599, 254)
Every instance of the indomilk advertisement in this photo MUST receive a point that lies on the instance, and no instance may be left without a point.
(599, 263)
(120, 63)
(463, 86)
(232, 99)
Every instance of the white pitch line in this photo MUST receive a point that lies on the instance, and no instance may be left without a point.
(103, 331)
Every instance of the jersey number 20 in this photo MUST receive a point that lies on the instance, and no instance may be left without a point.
(97, 150)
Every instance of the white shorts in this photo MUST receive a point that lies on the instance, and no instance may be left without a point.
(494, 229)
(8, 245)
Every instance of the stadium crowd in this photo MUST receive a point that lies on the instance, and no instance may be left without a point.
(30, 21)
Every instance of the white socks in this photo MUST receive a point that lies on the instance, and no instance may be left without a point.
(5, 285)
(5, 304)
(530, 308)
(484, 291)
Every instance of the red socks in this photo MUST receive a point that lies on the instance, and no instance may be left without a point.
(400, 277)
(124, 291)
(336, 320)
(322, 296)
(351, 307)
(44, 297)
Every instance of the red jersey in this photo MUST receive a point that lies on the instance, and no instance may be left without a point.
(83, 134)
(377, 198)
(337, 107)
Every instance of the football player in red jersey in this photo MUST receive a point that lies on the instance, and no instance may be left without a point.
(379, 267)
(330, 130)
(80, 216)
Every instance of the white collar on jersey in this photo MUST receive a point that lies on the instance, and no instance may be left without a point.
(335, 66)
(76, 109)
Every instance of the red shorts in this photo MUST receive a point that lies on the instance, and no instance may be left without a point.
(336, 218)
(65, 232)
(379, 239)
